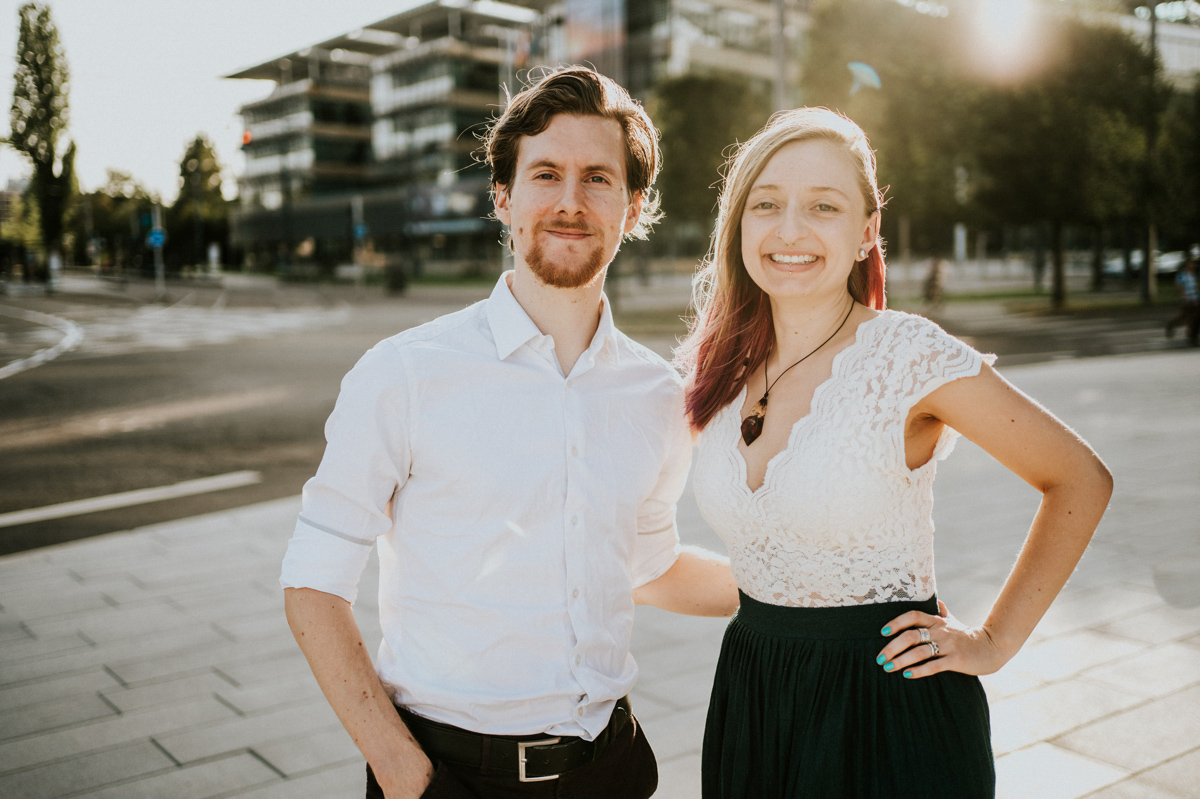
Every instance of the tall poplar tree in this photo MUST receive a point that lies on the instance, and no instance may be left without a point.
(39, 116)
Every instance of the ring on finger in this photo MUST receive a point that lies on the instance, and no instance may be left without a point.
(934, 651)
(924, 633)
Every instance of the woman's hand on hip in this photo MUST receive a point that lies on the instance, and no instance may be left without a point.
(922, 645)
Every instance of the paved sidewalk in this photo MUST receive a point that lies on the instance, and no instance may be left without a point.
(157, 663)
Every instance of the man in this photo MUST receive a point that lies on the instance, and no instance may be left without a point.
(517, 464)
(1189, 301)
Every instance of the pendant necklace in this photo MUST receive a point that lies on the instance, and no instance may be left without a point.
(752, 425)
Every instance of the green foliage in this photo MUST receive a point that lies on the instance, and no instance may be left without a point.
(1177, 168)
(921, 123)
(700, 117)
(39, 107)
(1068, 145)
(21, 225)
(113, 217)
(39, 115)
(201, 213)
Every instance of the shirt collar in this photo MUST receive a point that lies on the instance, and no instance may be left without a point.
(512, 328)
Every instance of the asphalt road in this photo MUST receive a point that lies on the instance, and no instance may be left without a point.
(220, 381)
(156, 396)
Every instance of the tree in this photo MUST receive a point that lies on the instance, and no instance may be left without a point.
(39, 115)
(921, 122)
(1067, 146)
(113, 219)
(699, 118)
(201, 213)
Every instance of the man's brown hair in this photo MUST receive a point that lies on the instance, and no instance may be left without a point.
(583, 92)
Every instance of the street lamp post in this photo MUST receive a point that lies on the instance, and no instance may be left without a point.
(779, 43)
(1149, 283)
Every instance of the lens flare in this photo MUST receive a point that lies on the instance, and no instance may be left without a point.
(1005, 31)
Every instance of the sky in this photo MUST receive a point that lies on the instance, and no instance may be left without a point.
(146, 76)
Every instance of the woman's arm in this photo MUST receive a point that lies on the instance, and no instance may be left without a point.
(1075, 486)
(699, 583)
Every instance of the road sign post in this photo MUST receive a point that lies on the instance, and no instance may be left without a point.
(156, 239)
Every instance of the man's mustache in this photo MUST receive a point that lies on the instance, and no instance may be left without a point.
(569, 227)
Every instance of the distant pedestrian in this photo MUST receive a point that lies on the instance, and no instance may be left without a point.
(1189, 302)
(934, 282)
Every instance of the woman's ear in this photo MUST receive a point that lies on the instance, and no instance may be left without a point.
(871, 232)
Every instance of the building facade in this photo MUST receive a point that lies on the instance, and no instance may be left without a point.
(365, 150)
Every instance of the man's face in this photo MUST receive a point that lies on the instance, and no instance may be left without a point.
(568, 205)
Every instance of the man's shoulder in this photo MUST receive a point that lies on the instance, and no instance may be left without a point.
(456, 330)
(645, 361)
(393, 358)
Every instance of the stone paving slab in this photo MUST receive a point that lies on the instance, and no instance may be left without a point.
(157, 662)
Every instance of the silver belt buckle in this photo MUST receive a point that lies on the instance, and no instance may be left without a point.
(521, 760)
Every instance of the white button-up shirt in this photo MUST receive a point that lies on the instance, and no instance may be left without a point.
(514, 510)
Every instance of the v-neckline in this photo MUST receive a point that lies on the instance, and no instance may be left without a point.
(736, 405)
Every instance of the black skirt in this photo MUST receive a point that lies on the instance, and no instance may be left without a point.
(800, 709)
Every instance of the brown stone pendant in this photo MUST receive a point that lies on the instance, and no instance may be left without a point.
(752, 425)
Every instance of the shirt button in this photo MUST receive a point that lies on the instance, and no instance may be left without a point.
(574, 452)
(575, 594)
(578, 711)
(578, 659)
(574, 520)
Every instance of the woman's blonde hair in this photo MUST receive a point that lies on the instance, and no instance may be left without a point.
(731, 333)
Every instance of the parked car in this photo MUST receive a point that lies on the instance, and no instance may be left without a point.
(1166, 263)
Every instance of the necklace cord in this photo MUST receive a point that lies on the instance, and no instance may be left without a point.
(846, 318)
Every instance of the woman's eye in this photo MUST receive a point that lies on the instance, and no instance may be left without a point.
(826, 207)
(765, 205)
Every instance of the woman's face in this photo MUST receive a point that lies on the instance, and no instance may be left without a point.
(805, 221)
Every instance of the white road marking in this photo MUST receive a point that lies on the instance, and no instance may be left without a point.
(72, 336)
(125, 499)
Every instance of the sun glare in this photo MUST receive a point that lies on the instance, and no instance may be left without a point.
(1005, 30)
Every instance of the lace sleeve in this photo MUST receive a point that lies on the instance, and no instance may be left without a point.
(932, 359)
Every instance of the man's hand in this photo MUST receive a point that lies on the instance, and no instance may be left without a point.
(405, 781)
(324, 627)
(699, 583)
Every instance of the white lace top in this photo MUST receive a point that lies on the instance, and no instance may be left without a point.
(839, 519)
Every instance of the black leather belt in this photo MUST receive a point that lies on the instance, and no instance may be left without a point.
(529, 758)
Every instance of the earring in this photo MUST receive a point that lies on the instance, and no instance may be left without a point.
(862, 254)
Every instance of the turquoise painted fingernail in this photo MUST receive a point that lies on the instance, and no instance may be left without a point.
(880, 659)
(908, 675)
(889, 667)
(887, 631)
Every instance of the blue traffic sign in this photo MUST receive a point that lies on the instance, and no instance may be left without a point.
(156, 238)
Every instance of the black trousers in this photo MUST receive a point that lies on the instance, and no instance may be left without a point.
(626, 769)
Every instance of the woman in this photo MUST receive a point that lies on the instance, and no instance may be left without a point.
(821, 419)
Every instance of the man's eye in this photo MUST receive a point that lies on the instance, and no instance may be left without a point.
(598, 179)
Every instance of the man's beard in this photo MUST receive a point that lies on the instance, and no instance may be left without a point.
(556, 275)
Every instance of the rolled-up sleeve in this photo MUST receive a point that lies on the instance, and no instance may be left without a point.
(657, 545)
(347, 504)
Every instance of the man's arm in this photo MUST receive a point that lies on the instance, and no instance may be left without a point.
(699, 583)
(328, 635)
